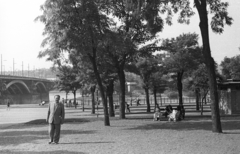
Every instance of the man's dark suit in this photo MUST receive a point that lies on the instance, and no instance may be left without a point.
(55, 118)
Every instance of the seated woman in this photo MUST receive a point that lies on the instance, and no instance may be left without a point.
(168, 110)
(173, 116)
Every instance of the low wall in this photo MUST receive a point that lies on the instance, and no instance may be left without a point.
(25, 98)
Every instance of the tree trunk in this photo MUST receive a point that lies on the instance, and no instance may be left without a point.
(100, 85)
(202, 105)
(121, 75)
(74, 98)
(110, 89)
(202, 10)
(147, 99)
(156, 106)
(205, 96)
(93, 88)
(180, 87)
(83, 101)
(66, 95)
(197, 98)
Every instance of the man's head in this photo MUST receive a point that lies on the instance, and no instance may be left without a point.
(57, 98)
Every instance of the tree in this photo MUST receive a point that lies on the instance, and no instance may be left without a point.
(133, 31)
(117, 50)
(158, 85)
(76, 25)
(182, 52)
(85, 73)
(146, 67)
(198, 82)
(231, 67)
(68, 80)
(220, 18)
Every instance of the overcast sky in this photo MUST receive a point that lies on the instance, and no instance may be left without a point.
(21, 37)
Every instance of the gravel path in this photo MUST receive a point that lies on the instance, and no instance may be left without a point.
(138, 134)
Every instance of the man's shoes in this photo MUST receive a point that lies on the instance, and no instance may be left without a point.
(50, 142)
(54, 142)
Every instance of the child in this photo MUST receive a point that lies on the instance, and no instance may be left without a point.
(156, 115)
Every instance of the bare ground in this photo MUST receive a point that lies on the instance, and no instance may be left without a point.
(138, 134)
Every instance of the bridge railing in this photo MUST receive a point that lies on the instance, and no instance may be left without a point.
(22, 77)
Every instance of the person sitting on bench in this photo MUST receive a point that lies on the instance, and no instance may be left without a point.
(168, 110)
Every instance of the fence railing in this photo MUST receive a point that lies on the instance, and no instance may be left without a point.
(161, 101)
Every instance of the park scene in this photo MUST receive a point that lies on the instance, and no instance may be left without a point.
(113, 78)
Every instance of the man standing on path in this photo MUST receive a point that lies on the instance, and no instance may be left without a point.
(55, 118)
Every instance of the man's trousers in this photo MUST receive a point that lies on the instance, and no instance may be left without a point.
(54, 132)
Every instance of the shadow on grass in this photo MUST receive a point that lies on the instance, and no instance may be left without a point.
(87, 143)
(43, 123)
(29, 136)
(69, 120)
(229, 123)
(144, 115)
(40, 152)
(29, 132)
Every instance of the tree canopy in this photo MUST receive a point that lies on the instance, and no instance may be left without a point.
(183, 57)
(89, 28)
(231, 67)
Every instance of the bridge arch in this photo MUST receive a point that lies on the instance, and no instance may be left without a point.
(41, 87)
(16, 83)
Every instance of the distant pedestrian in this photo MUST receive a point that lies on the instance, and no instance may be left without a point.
(8, 105)
(138, 102)
(66, 102)
(127, 107)
(63, 101)
(42, 103)
(75, 104)
(55, 118)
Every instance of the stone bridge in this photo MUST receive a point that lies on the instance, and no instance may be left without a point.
(24, 90)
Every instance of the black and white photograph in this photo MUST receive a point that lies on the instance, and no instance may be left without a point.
(119, 77)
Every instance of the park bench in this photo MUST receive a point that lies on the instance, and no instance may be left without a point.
(168, 111)
(116, 106)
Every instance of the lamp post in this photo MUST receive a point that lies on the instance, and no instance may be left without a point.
(3, 69)
(1, 64)
(28, 70)
(34, 71)
(10, 70)
(13, 65)
(22, 68)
